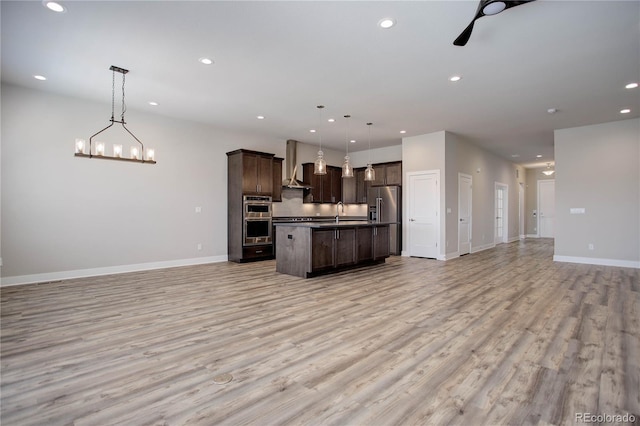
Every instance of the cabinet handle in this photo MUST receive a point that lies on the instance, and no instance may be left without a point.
(258, 251)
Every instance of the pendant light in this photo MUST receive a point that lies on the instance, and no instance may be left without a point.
(548, 172)
(369, 172)
(138, 152)
(320, 165)
(347, 169)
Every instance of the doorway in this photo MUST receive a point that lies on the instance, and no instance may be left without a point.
(546, 208)
(501, 228)
(423, 231)
(464, 213)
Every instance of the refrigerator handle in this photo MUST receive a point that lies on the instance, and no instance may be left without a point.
(379, 209)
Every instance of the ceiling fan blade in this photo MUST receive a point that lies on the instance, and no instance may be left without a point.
(463, 38)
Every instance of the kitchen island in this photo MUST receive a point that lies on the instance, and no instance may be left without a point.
(308, 249)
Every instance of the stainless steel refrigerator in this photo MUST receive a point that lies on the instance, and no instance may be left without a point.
(385, 206)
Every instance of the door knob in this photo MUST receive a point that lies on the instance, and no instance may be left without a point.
(412, 220)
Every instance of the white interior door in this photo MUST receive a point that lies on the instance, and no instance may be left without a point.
(521, 210)
(501, 213)
(464, 213)
(424, 204)
(546, 208)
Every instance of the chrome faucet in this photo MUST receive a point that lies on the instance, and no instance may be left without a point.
(340, 203)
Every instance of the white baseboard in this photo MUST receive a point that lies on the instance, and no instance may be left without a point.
(514, 239)
(453, 255)
(532, 236)
(483, 247)
(121, 269)
(597, 261)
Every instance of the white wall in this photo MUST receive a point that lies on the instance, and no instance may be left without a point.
(598, 168)
(64, 216)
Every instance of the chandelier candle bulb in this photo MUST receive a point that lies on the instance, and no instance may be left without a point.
(80, 143)
(151, 154)
(117, 151)
(135, 153)
(100, 148)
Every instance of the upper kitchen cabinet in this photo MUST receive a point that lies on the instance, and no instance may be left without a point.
(354, 191)
(388, 174)
(324, 188)
(256, 171)
(277, 179)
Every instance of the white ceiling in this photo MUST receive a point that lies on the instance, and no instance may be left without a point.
(281, 59)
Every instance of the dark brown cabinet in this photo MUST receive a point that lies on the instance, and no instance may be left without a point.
(333, 248)
(248, 173)
(364, 241)
(257, 172)
(306, 250)
(324, 188)
(277, 179)
(362, 186)
(388, 174)
(380, 242)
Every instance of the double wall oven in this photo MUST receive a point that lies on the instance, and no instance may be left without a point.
(257, 216)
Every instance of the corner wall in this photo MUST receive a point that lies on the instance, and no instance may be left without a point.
(598, 169)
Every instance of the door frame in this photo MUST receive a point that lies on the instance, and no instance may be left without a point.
(407, 211)
(505, 214)
(470, 210)
(521, 230)
(544, 181)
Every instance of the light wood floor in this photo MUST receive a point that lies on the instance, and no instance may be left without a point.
(504, 336)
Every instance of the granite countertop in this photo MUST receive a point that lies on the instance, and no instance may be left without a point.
(333, 224)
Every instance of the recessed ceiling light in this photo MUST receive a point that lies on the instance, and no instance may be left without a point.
(312, 131)
(205, 61)
(386, 23)
(625, 111)
(631, 86)
(539, 156)
(40, 77)
(153, 103)
(455, 78)
(52, 5)
(352, 141)
(403, 131)
(260, 117)
(331, 120)
(515, 155)
(552, 110)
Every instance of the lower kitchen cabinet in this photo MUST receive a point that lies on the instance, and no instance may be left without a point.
(381, 242)
(306, 250)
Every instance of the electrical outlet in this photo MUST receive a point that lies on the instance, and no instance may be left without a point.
(591, 247)
(199, 246)
(198, 209)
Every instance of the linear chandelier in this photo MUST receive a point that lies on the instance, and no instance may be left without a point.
(137, 154)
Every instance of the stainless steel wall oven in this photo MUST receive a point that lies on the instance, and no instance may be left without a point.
(257, 227)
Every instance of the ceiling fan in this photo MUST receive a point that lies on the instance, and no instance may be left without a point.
(486, 7)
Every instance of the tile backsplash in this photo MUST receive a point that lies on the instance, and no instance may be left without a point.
(292, 205)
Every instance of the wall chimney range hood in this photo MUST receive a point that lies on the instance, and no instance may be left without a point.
(291, 167)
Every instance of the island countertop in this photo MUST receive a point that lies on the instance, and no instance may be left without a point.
(333, 224)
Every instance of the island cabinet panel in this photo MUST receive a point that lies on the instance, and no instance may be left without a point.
(323, 249)
(345, 247)
(380, 242)
(364, 244)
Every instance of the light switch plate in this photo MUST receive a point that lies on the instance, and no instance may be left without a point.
(577, 210)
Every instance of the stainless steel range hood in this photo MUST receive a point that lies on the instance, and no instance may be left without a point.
(291, 167)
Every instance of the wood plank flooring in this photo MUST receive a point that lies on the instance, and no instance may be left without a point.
(504, 336)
